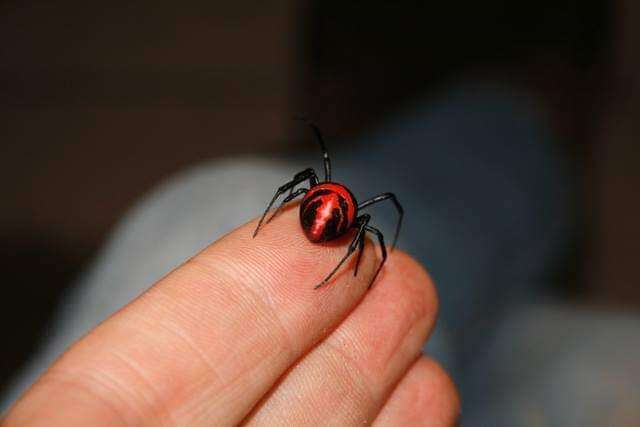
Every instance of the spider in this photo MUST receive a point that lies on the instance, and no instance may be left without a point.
(329, 209)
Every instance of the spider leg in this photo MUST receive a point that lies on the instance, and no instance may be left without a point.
(325, 153)
(361, 224)
(367, 218)
(287, 199)
(380, 198)
(360, 250)
(383, 249)
(309, 174)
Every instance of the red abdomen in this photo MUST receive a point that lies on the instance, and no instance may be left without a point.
(327, 211)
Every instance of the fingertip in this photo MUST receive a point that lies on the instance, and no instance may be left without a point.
(282, 255)
(426, 396)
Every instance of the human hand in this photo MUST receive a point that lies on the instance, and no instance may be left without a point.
(238, 335)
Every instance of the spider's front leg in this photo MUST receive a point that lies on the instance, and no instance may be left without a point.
(292, 195)
(361, 224)
(383, 248)
(307, 174)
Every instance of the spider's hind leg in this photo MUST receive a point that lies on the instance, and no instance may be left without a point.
(392, 197)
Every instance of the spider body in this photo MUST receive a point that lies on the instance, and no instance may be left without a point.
(329, 210)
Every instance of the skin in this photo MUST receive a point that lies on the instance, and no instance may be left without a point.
(237, 335)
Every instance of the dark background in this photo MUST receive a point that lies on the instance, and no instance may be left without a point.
(99, 102)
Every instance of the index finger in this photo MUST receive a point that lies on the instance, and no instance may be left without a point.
(204, 344)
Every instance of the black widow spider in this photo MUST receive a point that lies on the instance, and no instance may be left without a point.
(328, 210)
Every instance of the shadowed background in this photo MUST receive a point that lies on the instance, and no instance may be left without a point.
(101, 102)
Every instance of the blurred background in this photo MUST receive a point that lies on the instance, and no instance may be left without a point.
(100, 102)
